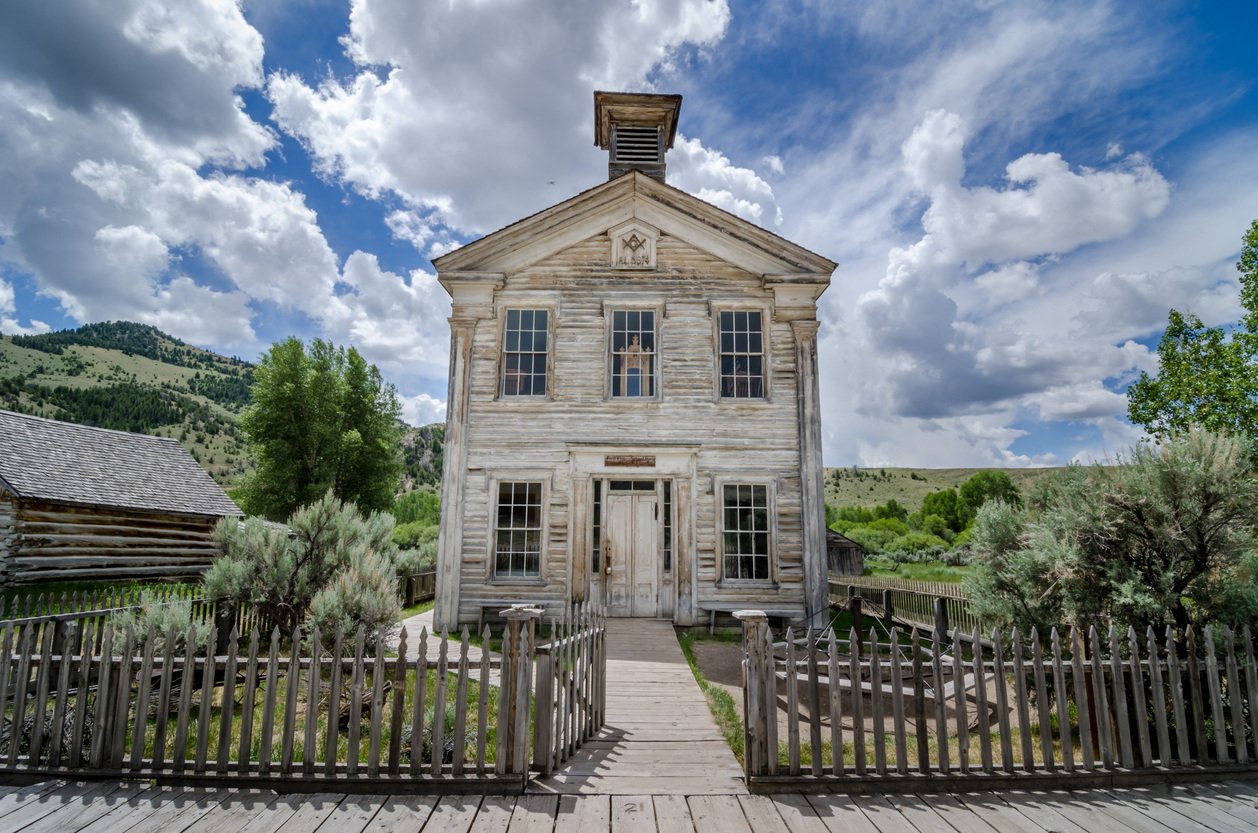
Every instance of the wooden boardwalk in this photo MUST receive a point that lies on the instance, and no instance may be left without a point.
(659, 737)
(112, 808)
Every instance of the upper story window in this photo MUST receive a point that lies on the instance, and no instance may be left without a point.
(741, 337)
(745, 539)
(633, 359)
(518, 530)
(525, 352)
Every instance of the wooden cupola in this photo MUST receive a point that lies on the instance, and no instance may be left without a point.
(637, 129)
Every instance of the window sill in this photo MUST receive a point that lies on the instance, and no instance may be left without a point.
(518, 582)
(744, 400)
(742, 584)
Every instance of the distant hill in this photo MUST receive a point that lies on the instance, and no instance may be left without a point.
(134, 377)
(868, 487)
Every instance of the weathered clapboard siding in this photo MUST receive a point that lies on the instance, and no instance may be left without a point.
(634, 243)
(53, 541)
(748, 439)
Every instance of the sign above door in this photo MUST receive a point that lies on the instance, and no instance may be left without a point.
(630, 460)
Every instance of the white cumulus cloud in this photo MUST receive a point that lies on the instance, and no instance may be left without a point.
(419, 116)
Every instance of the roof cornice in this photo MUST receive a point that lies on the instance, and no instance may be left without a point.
(634, 196)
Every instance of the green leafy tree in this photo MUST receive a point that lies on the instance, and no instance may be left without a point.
(1207, 376)
(947, 505)
(988, 485)
(1166, 538)
(320, 418)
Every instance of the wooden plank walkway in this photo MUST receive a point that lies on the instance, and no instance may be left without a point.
(1229, 807)
(659, 736)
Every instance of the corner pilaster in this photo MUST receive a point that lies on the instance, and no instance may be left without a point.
(811, 472)
(472, 299)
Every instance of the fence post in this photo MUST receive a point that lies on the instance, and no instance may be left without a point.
(224, 621)
(888, 612)
(513, 709)
(756, 701)
(941, 620)
(544, 713)
(855, 606)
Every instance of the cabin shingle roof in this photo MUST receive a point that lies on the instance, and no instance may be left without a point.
(62, 462)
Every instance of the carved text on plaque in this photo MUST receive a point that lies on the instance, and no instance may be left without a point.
(645, 460)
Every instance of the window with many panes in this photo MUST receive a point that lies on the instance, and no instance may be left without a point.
(741, 337)
(745, 532)
(518, 530)
(633, 353)
(525, 348)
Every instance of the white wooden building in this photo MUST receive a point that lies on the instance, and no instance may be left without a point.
(633, 408)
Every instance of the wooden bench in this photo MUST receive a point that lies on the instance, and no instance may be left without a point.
(713, 608)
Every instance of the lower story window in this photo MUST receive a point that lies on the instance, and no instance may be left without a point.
(745, 532)
(518, 532)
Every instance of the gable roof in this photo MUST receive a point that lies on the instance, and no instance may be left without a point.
(67, 463)
(839, 539)
(631, 196)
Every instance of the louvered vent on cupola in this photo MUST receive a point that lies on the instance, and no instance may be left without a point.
(637, 129)
(636, 143)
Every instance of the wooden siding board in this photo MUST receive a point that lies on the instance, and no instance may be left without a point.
(758, 439)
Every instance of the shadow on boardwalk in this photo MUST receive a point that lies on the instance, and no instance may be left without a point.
(659, 736)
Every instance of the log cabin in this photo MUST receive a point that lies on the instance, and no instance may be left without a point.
(633, 402)
(78, 502)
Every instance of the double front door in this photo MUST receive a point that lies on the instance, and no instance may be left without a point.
(631, 551)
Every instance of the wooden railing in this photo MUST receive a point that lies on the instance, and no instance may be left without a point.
(906, 710)
(928, 604)
(294, 713)
(414, 588)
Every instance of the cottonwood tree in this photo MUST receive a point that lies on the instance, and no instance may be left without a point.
(1207, 376)
(1166, 538)
(319, 419)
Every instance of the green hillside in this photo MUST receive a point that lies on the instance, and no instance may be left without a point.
(871, 487)
(133, 377)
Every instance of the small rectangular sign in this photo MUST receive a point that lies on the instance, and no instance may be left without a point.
(646, 460)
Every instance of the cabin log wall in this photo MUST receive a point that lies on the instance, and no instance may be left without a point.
(42, 541)
(8, 533)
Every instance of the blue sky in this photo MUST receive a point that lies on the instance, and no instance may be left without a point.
(1016, 192)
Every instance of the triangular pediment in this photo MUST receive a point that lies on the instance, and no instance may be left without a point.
(635, 204)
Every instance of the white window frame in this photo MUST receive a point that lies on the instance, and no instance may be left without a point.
(609, 319)
(770, 487)
(503, 314)
(765, 327)
(495, 483)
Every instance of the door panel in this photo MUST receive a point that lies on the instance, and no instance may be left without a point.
(631, 555)
(618, 554)
(645, 563)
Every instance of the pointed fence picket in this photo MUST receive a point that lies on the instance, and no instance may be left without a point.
(335, 707)
(878, 705)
